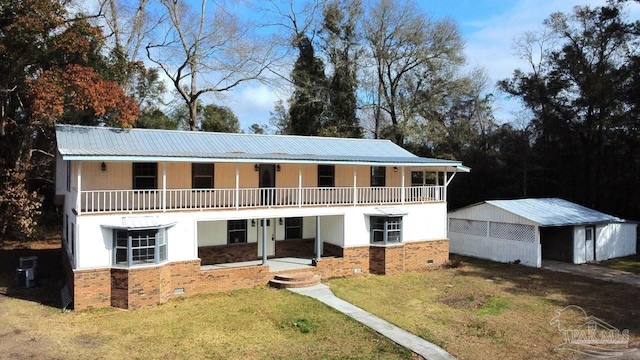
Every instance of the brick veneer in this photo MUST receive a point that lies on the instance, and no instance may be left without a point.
(419, 254)
(91, 288)
(223, 254)
(295, 248)
(146, 286)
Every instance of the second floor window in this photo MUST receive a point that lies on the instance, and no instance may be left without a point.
(145, 176)
(326, 175)
(202, 176)
(378, 176)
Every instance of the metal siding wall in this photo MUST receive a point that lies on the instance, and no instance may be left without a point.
(615, 240)
(578, 245)
(494, 249)
(486, 212)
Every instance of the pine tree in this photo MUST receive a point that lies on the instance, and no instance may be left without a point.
(308, 104)
(341, 45)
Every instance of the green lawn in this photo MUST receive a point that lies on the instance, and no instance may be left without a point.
(629, 263)
(487, 310)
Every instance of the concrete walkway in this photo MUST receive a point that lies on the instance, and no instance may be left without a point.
(401, 337)
(593, 271)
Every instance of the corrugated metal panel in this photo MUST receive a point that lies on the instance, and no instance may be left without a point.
(82, 142)
(140, 222)
(553, 211)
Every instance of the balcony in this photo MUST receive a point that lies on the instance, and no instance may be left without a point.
(113, 201)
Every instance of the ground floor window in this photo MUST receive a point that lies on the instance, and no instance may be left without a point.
(136, 247)
(237, 231)
(293, 228)
(386, 230)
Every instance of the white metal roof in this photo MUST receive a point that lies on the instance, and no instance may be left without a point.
(140, 223)
(553, 211)
(113, 144)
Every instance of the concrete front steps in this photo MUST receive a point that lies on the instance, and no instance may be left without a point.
(296, 280)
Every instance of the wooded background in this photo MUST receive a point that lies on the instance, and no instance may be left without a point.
(353, 68)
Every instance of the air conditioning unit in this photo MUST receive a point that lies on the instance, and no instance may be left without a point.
(25, 278)
(28, 262)
(26, 272)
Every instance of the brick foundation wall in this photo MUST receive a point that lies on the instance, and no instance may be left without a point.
(354, 261)
(91, 288)
(215, 280)
(147, 286)
(376, 260)
(295, 248)
(329, 249)
(222, 254)
(120, 288)
(419, 254)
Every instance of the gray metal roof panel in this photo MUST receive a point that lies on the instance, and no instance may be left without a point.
(553, 211)
(74, 140)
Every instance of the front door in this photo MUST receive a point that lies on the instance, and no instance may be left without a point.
(589, 243)
(267, 183)
(271, 242)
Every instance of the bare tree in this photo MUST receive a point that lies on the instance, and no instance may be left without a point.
(410, 54)
(208, 51)
(129, 24)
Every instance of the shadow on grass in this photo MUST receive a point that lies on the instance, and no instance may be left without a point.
(617, 304)
(49, 276)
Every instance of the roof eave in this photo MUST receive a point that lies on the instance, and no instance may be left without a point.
(449, 165)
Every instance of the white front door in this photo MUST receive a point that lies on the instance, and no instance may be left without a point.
(271, 243)
(589, 243)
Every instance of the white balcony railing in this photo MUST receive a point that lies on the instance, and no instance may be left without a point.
(101, 201)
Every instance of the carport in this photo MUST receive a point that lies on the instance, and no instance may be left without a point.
(529, 230)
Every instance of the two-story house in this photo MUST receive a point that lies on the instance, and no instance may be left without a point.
(153, 214)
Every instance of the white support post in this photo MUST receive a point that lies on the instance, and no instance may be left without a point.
(318, 240)
(299, 186)
(264, 241)
(402, 189)
(79, 194)
(237, 194)
(445, 185)
(164, 187)
(355, 186)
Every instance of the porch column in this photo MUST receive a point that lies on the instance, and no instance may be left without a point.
(299, 186)
(264, 241)
(318, 240)
(79, 197)
(355, 187)
(445, 186)
(237, 193)
(402, 189)
(164, 187)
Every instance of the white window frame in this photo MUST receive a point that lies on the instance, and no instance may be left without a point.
(390, 224)
(159, 247)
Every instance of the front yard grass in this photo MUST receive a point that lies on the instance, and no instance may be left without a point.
(261, 323)
(629, 263)
(486, 310)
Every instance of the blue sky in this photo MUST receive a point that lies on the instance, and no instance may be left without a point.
(489, 28)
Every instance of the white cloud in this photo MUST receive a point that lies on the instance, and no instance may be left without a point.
(252, 103)
(489, 41)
